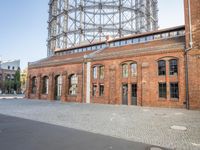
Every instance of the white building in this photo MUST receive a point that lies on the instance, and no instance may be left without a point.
(10, 64)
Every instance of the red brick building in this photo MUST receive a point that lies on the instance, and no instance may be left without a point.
(160, 68)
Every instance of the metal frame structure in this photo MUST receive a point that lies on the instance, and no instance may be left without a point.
(75, 22)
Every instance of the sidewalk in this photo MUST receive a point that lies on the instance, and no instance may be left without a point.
(166, 127)
(11, 96)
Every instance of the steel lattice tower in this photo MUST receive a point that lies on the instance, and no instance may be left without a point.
(73, 22)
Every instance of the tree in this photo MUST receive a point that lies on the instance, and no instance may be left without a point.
(17, 83)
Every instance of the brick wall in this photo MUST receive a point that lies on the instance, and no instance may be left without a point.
(194, 54)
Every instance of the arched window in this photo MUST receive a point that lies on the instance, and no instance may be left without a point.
(95, 72)
(173, 67)
(73, 84)
(33, 89)
(133, 69)
(45, 84)
(161, 67)
(125, 70)
(101, 72)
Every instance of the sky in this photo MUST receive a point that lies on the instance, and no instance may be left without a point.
(23, 27)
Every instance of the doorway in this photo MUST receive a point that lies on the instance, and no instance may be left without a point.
(58, 87)
(125, 94)
(134, 94)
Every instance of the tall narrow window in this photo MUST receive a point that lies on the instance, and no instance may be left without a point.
(101, 89)
(162, 90)
(73, 84)
(95, 72)
(33, 89)
(161, 67)
(101, 72)
(45, 85)
(94, 89)
(173, 67)
(174, 92)
(125, 70)
(133, 70)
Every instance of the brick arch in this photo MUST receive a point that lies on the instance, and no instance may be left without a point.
(128, 62)
(166, 58)
(94, 65)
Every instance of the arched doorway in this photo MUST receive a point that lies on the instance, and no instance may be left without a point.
(58, 87)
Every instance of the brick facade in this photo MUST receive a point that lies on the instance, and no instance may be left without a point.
(116, 89)
(194, 53)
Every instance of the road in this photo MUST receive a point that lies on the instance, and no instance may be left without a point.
(23, 134)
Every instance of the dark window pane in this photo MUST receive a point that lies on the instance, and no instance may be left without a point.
(162, 90)
(174, 91)
(101, 90)
(173, 67)
(94, 89)
(45, 85)
(34, 85)
(161, 67)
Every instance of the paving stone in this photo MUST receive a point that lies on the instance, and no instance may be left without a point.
(127, 122)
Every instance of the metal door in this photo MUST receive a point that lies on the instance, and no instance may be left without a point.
(134, 94)
(125, 94)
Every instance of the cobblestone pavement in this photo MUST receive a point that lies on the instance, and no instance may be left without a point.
(142, 124)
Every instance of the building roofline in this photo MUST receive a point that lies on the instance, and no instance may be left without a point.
(125, 37)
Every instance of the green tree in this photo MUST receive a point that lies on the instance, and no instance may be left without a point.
(17, 83)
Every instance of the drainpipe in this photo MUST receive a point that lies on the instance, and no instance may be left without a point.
(186, 57)
(83, 77)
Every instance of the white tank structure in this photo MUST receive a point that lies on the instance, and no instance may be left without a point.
(74, 22)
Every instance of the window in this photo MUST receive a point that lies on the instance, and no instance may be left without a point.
(174, 92)
(45, 85)
(123, 42)
(157, 36)
(101, 90)
(136, 40)
(8, 67)
(161, 67)
(101, 72)
(8, 77)
(129, 41)
(33, 89)
(142, 39)
(13, 68)
(133, 70)
(162, 90)
(117, 43)
(173, 67)
(73, 84)
(94, 89)
(95, 72)
(125, 70)
(150, 38)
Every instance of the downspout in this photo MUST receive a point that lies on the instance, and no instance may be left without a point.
(83, 77)
(186, 57)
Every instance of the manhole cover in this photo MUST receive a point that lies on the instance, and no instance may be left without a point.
(182, 128)
(179, 113)
(155, 148)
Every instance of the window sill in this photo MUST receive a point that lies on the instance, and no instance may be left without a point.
(171, 75)
(162, 75)
(174, 99)
(162, 99)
